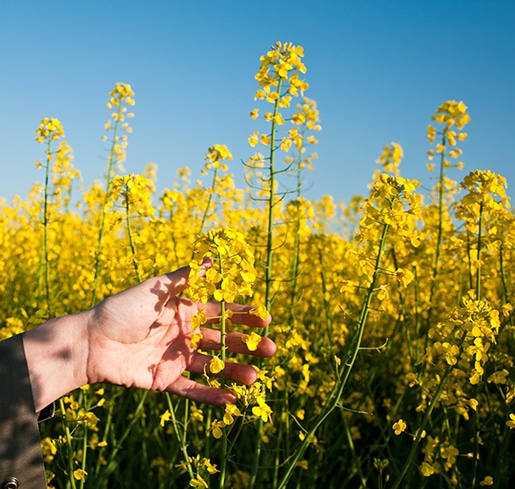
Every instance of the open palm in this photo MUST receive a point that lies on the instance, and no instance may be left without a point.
(141, 337)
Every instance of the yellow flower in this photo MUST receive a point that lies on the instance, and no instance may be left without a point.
(298, 118)
(391, 158)
(198, 319)
(399, 426)
(198, 482)
(232, 274)
(405, 277)
(431, 133)
(216, 365)
(265, 139)
(218, 152)
(166, 416)
(216, 428)
(285, 144)
(48, 448)
(487, 481)
(426, 469)
(195, 340)
(260, 311)
(230, 411)
(254, 138)
(511, 422)
(252, 341)
(211, 468)
(80, 475)
(50, 129)
(262, 410)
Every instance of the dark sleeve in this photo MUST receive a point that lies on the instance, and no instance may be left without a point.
(20, 450)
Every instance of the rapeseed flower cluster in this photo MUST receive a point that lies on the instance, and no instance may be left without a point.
(452, 117)
(232, 275)
(135, 192)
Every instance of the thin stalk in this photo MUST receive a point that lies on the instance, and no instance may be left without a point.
(107, 424)
(84, 453)
(502, 269)
(284, 431)
(439, 237)
(502, 460)
(268, 275)
(343, 377)
(236, 436)
(223, 355)
(280, 435)
(207, 424)
(101, 232)
(111, 467)
(131, 238)
(425, 419)
(209, 199)
(68, 437)
(182, 439)
(325, 302)
(478, 297)
(45, 229)
(270, 220)
(296, 253)
(479, 245)
(469, 261)
(357, 463)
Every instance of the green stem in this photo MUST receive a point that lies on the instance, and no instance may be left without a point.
(181, 438)
(439, 237)
(357, 463)
(68, 437)
(84, 453)
(343, 377)
(479, 245)
(209, 199)
(425, 419)
(327, 311)
(113, 464)
(131, 238)
(268, 274)
(45, 229)
(478, 297)
(223, 355)
(101, 232)
(502, 270)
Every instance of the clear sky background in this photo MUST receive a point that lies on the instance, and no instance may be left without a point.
(377, 69)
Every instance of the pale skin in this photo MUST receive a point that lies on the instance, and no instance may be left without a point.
(140, 337)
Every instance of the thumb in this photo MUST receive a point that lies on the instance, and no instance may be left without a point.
(178, 280)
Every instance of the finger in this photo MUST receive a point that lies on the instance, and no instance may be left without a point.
(242, 314)
(237, 372)
(235, 344)
(178, 280)
(201, 393)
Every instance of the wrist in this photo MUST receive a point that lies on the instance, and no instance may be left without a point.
(56, 354)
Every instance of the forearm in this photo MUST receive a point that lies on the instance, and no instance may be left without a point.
(56, 354)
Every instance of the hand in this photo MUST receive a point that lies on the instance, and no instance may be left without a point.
(140, 337)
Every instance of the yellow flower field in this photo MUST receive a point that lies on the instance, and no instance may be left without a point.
(392, 315)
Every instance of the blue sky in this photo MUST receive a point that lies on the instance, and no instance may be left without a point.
(377, 69)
